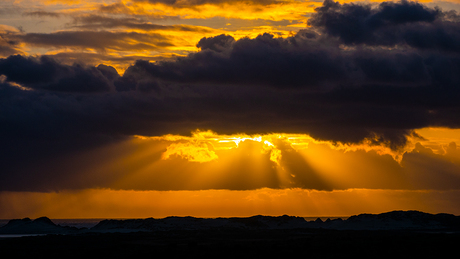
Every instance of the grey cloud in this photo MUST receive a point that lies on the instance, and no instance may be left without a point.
(101, 40)
(114, 8)
(8, 49)
(8, 46)
(42, 13)
(121, 8)
(98, 22)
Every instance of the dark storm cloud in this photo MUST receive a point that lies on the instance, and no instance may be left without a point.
(336, 84)
(218, 43)
(301, 62)
(45, 73)
(265, 60)
(389, 24)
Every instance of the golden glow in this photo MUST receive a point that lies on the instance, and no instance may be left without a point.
(194, 152)
(106, 203)
(241, 161)
(438, 139)
(282, 10)
(202, 143)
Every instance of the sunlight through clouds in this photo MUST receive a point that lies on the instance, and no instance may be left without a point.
(228, 107)
(201, 145)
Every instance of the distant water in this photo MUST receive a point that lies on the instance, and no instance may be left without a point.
(78, 223)
(20, 235)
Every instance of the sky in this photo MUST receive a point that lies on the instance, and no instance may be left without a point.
(219, 108)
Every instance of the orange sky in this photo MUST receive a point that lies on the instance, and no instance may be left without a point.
(105, 203)
(206, 173)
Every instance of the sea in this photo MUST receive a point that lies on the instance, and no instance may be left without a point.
(78, 223)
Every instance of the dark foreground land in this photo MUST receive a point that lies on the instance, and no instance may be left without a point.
(238, 243)
(396, 234)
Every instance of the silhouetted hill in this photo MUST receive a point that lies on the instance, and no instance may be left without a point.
(42, 225)
(394, 220)
(191, 223)
(398, 220)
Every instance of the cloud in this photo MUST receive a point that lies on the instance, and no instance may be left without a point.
(265, 60)
(390, 24)
(334, 85)
(122, 8)
(275, 11)
(202, 2)
(421, 162)
(115, 8)
(42, 13)
(45, 73)
(10, 8)
(218, 43)
(98, 58)
(8, 46)
(99, 40)
(98, 22)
